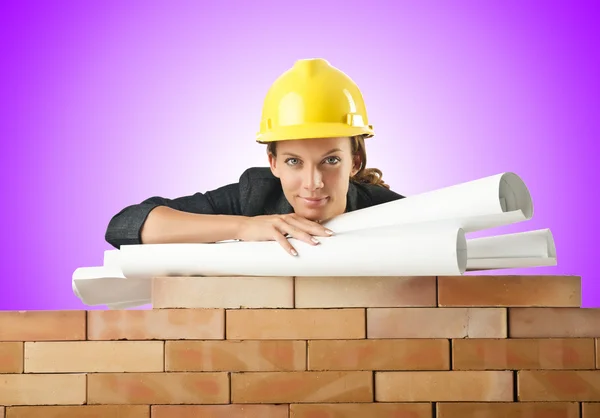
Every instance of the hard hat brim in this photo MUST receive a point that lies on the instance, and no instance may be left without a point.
(311, 131)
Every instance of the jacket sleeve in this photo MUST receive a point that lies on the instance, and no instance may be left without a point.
(125, 227)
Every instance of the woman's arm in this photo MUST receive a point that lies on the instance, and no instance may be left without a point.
(201, 217)
(167, 225)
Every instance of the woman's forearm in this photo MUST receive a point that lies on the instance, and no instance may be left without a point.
(166, 225)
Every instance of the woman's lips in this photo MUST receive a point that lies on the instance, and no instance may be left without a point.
(314, 202)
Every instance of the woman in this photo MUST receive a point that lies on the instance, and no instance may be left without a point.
(314, 123)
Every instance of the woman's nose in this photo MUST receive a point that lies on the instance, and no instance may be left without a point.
(313, 179)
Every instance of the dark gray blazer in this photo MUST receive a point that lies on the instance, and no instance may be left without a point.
(258, 192)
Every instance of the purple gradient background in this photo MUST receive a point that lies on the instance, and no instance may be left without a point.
(107, 103)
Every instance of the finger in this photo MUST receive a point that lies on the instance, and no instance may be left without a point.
(285, 244)
(298, 232)
(310, 227)
(314, 227)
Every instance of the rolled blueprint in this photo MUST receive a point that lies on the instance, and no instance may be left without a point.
(528, 244)
(106, 285)
(421, 235)
(111, 258)
(404, 250)
(480, 264)
(485, 203)
(518, 250)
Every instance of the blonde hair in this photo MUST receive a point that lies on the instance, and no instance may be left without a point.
(364, 175)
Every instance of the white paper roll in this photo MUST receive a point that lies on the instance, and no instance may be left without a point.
(517, 250)
(419, 235)
(406, 250)
(105, 285)
(529, 244)
(480, 264)
(485, 203)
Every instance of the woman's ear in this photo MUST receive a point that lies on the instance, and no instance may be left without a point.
(356, 164)
(273, 164)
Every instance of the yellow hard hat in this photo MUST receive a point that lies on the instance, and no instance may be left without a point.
(313, 99)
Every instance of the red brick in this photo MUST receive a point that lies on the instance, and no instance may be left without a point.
(220, 411)
(409, 354)
(157, 324)
(84, 411)
(556, 291)
(232, 355)
(301, 387)
(440, 386)
(554, 322)
(508, 409)
(94, 356)
(590, 410)
(42, 389)
(295, 324)
(158, 388)
(364, 292)
(512, 354)
(11, 357)
(361, 410)
(559, 385)
(223, 292)
(42, 325)
(436, 323)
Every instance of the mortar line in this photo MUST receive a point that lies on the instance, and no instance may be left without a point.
(373, 399)
(366, 317)
(515, 373)
(86, 338)
(515, 387)
(451, 352)
(294, 292)
(306, 368)
(225, 324)
(437, 294)
(507, 319)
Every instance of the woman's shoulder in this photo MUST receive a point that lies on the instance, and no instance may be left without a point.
(261, 193)
(370, 195)
(258, 173)
(258, 178)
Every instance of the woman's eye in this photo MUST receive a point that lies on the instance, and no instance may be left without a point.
(332, 160)
(293, 161)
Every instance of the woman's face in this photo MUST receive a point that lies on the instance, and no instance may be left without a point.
(315, 174)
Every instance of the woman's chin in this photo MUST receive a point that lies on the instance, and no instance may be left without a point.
(316, 215)
(310, 214)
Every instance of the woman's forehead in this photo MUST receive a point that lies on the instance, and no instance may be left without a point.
(314, 146)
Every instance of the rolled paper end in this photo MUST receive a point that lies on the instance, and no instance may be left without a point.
(461, 250)
(74, 287)
(551, 244)
(514, 195)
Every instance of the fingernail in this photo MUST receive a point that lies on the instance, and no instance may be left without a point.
(294, 252)
(316, 241)
(329, 232)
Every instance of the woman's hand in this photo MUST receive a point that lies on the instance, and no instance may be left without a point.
(276, 227)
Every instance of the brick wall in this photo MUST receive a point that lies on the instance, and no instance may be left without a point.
(401, 347)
